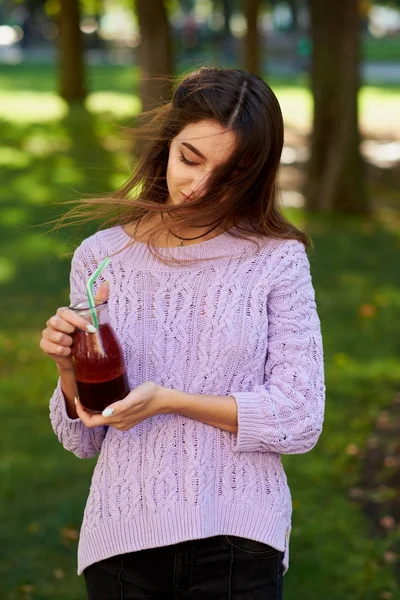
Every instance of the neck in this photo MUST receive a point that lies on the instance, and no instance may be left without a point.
(201, 233)
(168, 234)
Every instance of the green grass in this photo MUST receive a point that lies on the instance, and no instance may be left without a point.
(48, 161)
(381, 49)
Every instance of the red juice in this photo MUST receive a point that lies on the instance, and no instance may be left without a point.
(96, 396)
(99, 368)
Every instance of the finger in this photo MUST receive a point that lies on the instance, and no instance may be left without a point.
(67, 320)
(54, 349)
(112, 412)
(82, 413)
(58, 323)
(57, 337)
(88, 419)
(103, 292)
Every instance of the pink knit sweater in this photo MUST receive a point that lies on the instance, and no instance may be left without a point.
(242, 324)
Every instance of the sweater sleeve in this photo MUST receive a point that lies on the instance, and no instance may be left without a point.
(72, 433)
(285, 415)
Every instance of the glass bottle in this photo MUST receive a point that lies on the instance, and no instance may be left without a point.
(99, 365)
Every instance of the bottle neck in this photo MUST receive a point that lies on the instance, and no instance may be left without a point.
(83, 310)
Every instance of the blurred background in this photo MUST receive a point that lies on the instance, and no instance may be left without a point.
(73, 74)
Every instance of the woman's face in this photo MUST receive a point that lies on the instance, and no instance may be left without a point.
(193, 155)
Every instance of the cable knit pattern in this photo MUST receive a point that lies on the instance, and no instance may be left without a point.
(227, 320)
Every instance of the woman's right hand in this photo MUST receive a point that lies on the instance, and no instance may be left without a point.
(57, 340)
(57, 337)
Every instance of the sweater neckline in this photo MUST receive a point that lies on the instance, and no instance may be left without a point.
(167, 249)
(225, 245)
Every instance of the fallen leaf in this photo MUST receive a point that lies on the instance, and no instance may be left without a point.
(59, 573)
(33, 527)
(356, 493)
(387, 522)
(390, 557)
(392, 461)
(372, 442)
(27, 589)
(70, 534)
(383, 420)
(352, 450)
(367, 311)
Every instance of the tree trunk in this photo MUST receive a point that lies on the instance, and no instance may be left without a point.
(72, 77)
(155, 53)
(294, 9)
(335, 172)
(252, 39)
(227, 12)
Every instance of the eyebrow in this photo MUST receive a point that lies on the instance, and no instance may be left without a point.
(193, 149)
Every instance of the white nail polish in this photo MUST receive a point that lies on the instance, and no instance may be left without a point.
(108, 412)
(91, 328)
(76, 400)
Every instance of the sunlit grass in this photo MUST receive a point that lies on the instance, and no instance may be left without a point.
(296, 105)
(118, 104)
(32, 107)
(13, 157)
(7, 269)
(45, 107)
(380, 106)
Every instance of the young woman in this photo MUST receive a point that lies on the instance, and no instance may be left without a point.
(210, 294)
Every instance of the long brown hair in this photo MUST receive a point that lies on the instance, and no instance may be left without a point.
(241, 192)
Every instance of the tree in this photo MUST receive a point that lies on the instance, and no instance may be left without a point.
(252, 39)
(294, 9)
(335, 173)
(72, 77)
(227, 10)
(228, 42)
(155, 52)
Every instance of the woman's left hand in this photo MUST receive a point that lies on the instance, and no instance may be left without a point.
(140, 404)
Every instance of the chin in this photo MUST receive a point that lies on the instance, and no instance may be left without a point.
(178, 200)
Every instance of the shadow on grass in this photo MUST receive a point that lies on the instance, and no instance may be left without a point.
(357, 284)
(25, 77)
(44, 167)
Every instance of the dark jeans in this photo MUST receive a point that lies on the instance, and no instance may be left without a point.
(216, 568)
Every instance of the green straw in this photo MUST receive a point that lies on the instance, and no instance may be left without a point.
(89, 290)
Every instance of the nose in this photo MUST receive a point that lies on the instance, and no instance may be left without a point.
(197, 184)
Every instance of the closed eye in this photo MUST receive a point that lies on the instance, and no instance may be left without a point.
(185, 161)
